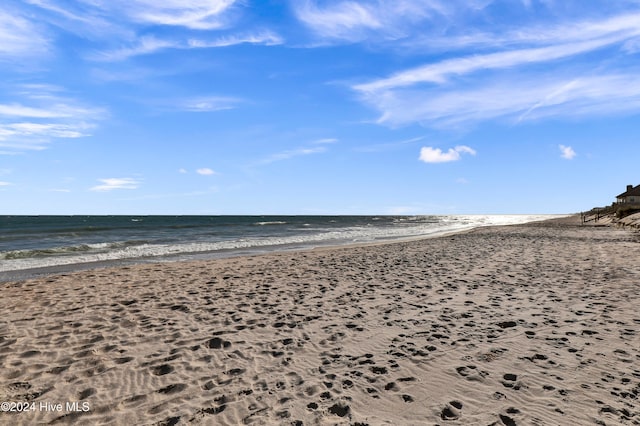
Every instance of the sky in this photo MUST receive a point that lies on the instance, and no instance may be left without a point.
(317, 107)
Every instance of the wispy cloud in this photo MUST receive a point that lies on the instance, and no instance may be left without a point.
(439, 72)
(354, 21)
(568, 31)
(46, 130)
(288, 154)
(82, 18)
(380, 147)
(267, 38)
(2, 183)
(40, 114)
(343, 20)
(193, 14)
(567, 152)
(129, 28)
(143, 46)
(110, 184)
(577, 39)
(436, 155)
(52, 110)
(20, 37)
(209, 104)
(537, 97)
(510, 82)
(325, 141)
(312, 147)
(147, 45)
(205, 172)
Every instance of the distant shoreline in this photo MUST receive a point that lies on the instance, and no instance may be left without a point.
(278, 221)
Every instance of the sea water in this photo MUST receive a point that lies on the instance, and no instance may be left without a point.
(36, 242)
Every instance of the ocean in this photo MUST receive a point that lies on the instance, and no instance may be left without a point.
(32, 245)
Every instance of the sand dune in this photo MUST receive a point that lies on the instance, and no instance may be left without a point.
(534, 324)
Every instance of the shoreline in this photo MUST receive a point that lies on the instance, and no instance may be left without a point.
(66, 268)
(519, 324)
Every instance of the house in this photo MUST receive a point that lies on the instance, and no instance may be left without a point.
(631, 195)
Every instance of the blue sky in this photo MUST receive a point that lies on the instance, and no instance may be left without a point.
(317, 107)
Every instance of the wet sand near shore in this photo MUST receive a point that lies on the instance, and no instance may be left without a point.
(534, 324)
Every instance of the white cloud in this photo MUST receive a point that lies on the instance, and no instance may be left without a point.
(20, 37)
(436, 155)
(317, 146)
(285, 155)
(4, 183)
(380, 147)
(494, 97)
(567, 152)
(80, 17)
(39, 115)
(111, 184)
(469, 88)
(149, 44)
(45, 104)
(266, 38)
(325, 141)
(129, 28)
(143, 46)
(358, 20)
(182, 171)
(205, 172)
(109, 19)
(342, 20)
(209, 104)
(632, 46)
(52, 7)
(193, 14)
(47, 130)
(619, 27)
(438, 73)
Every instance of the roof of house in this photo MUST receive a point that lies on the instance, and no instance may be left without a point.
(635, 191)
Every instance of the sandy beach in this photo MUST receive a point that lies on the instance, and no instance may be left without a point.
(535, 324)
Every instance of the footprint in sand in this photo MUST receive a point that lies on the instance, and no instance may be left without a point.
(161, 370)
(217, 343)
(471, 372)
(339, 409)
(451, 411)
(391, 386)
(507, 421)
(86, 393)
(509, 381)
(171, 389)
